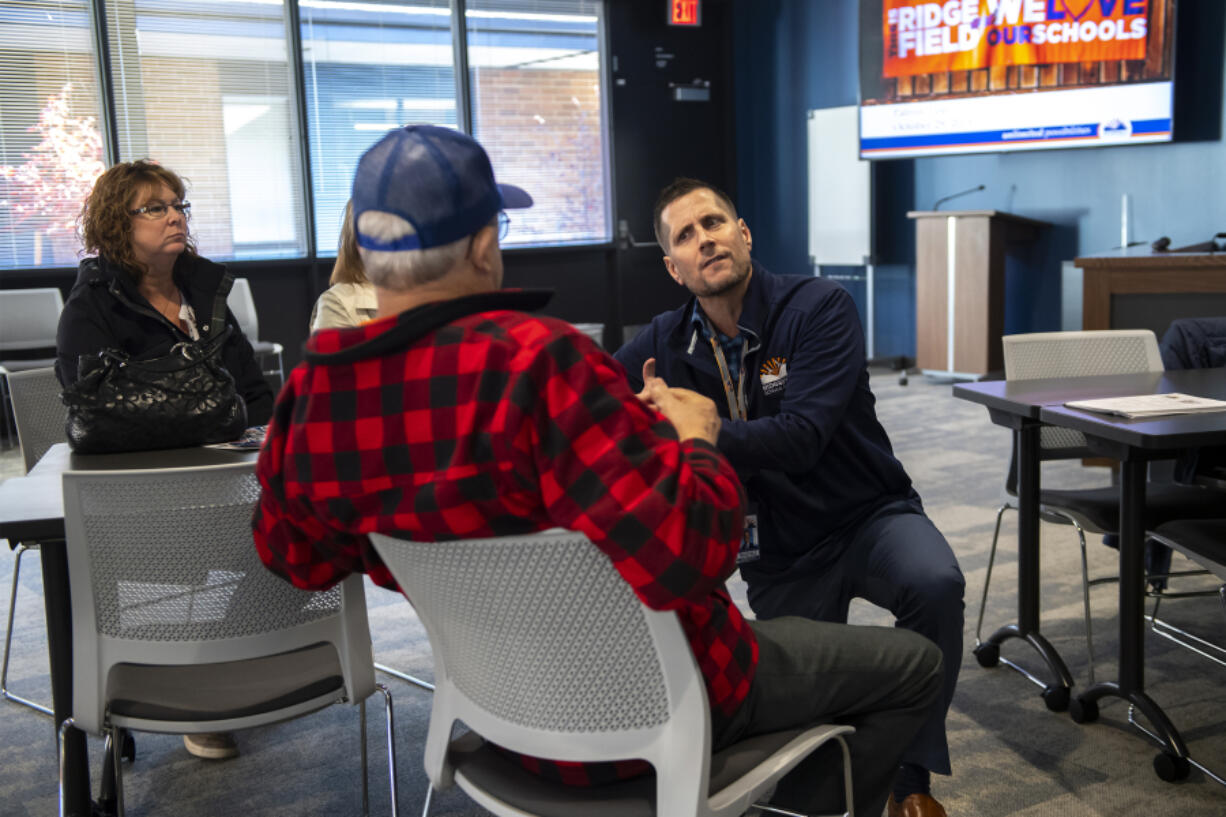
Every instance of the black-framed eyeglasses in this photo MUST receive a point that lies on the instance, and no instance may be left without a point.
(504, 224)
(156, 211)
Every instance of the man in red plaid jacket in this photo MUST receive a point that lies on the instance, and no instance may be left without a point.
(456, 414)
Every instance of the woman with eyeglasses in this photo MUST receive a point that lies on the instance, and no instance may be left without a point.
(144, 288)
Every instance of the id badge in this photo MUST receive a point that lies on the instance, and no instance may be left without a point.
(749, 541)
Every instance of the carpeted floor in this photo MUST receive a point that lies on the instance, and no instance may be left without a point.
(1011, 755)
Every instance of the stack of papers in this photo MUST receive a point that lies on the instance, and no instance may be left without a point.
(1150, 405)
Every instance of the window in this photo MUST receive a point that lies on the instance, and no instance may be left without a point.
(369, 67)
(205, 88)
(537, 108)
(209, 88)
(50, 139)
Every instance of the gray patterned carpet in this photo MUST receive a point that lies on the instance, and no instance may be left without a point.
(1011, 755)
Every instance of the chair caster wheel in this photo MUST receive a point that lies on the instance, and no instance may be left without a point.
(1083, 711)
(1056, 698)
(987, 654)
(129, 747)
(1170, 767)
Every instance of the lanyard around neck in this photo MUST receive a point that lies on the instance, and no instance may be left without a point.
(735, 395)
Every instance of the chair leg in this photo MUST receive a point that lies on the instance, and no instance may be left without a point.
(847, 790)
(767, 808)
(391, 749)
(987, 579)
(117, 740)
(362, 753)
(1085, 599)
(18, 552)
(403, 676)
(64, 727)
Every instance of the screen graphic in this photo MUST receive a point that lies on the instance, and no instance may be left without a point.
(968, 76)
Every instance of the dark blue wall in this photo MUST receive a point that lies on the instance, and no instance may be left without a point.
(792, 56)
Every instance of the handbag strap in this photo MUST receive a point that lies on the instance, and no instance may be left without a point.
(217, 324)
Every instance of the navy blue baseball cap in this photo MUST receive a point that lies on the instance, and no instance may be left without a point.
(437, 179)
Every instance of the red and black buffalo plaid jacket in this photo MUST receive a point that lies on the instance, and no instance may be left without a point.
(469, 418)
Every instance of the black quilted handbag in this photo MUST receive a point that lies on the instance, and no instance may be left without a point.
(181, 399)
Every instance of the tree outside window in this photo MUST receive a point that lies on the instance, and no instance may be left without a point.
(46, 192)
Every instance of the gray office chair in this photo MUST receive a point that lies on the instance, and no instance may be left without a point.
(179, 628)
(28, 322)
(243, 306)
(542, 648)
(40, 418)
(1082, 354)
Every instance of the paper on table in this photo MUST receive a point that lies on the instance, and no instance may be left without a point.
(251, 439)
(1150, 405)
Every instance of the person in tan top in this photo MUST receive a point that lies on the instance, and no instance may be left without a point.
(349, 299)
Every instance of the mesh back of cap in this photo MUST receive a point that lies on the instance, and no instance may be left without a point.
(438, 180)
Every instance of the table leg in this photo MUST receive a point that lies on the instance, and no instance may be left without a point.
(1173, 763)
(54, 559)
(1055, 695)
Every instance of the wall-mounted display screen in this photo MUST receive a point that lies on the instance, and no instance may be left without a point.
(969, 76)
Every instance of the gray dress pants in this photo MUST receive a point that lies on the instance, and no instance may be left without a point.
(880, 680)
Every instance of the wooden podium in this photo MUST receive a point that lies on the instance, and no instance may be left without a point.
(960, 288)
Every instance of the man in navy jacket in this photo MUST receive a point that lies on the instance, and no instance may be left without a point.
(836, 515)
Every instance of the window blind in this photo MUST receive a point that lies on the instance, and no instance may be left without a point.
(206, 88)
(538, 109)
(369, 67)
(51, 147)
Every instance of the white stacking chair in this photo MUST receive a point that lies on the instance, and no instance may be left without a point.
(541, 647)
(29, 319)
(1042, 355)
(40, 418)
(179, 628)
(243, 306)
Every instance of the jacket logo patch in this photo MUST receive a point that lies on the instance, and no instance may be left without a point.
(774, 374)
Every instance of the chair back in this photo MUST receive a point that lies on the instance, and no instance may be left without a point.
(29, 319)
(163, 571)
(243, 306)
(1081, 354)
(541, 647)
(1039, 355)
(38, 411)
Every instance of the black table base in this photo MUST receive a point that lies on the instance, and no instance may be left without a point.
(1055, 695)
(1172, 764)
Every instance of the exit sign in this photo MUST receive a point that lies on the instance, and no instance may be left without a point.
(685, 12)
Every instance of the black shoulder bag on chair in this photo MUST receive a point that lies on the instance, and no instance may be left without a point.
(181, 399)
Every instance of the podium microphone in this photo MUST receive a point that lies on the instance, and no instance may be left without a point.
(941, 201)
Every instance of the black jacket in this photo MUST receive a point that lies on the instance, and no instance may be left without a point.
(105, 310)
(814, 459)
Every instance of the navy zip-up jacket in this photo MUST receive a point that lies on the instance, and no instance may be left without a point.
(105, 310)
(812, 455)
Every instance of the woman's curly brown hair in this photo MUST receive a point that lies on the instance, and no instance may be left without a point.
(105, 223)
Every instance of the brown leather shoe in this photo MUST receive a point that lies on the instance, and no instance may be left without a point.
(915, 805)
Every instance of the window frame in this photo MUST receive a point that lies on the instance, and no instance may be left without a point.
(460, 32)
